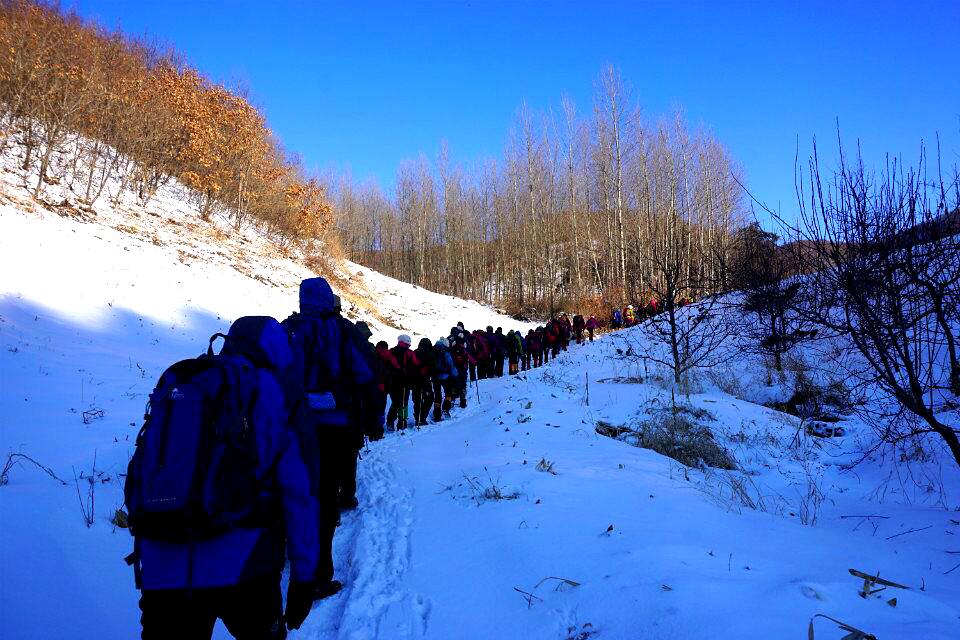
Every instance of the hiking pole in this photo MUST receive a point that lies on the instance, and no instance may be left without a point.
(477, 382)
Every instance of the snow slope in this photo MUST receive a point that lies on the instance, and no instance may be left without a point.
(93, 307)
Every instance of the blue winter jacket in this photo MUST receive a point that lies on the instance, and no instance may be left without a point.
(285, 462)
(325, 359)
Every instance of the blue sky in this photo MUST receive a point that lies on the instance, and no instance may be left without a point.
(362, 86)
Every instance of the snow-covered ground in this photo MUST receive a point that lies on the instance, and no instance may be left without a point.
(459, 519)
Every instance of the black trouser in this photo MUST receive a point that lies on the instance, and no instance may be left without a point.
(422, 400)
(398, 398)
(347, 455)
(461, 388)
(591, 334)
(328, 493)
(251, 611)
(498, 366)
(438, 387)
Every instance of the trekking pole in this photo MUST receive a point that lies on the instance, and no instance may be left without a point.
(477, 382)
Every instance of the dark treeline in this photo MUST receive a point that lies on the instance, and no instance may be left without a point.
(582, 211)
(106, 114)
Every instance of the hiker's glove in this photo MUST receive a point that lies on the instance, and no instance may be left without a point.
(299, 600)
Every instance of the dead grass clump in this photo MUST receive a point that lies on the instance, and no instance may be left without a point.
(678, 435)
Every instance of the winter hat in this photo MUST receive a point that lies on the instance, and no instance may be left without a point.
(404, 339)
(442, 343)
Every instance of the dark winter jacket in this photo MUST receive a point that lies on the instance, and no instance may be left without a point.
(368, 398)
(286, 467)
(389, 367)
(496, 342)
(426, 358)
(514, 344)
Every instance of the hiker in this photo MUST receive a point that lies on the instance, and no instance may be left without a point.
(528, 350)
(376, 406)
(629, 316)
(616, 319)
(423, 381)
(592, 326)
(566, 330)
(481, 353)
(553, 337)
(195, 566)
(369, 402)
(496, 351)
(389, 370)
(544, 344)
(466, 340)
(407, 374)
(444, 373)
(333, 372)
(500, 352)
(462, 360)
(579, 324)
(535, 347)
(654, 307)
(514, 350)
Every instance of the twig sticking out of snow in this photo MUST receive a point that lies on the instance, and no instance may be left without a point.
(529, 597)
(853, 632)
(12, 460)
(908, 531)
(562, 583)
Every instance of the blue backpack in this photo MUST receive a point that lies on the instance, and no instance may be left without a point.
(193, 473)
(617, 318)
(444, 364)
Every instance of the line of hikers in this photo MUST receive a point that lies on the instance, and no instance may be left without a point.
(435, 375)
(630, 316)
(247, 457)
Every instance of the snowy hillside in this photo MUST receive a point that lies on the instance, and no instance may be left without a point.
(93, 306)
(515, 520)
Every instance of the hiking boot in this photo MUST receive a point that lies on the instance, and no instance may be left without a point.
(327, 589)
(349, 504)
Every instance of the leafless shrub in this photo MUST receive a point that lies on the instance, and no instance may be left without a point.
(546, 466)
(489, 490)
(812, 498)
(86, 486)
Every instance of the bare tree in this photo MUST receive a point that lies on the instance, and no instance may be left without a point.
(881, 249)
